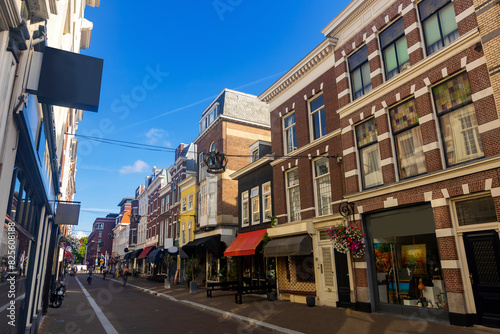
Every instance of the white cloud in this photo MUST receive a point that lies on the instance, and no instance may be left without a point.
(95, 167)
(80, 234)
(167, 144)
(138, 167)
(154, 135)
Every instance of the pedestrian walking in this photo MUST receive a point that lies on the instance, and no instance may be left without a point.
(113, 272)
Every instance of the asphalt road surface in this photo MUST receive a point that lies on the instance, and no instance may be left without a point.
(117, 309)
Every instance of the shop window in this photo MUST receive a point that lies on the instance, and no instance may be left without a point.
(244, 208)
(457, 117)
(406, 259)
(293, 191)
(322, 186)
(476, 211)
(304, 268)
(394, 49)
(290, 137)
(439, 23)
(254, 195)
(267, 200)
(369, 154)
(317, 113)
(408, 138)
(359, 69)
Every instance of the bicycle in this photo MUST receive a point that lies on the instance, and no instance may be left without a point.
(89, 279)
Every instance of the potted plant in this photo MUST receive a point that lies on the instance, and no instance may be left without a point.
(192, 269)
(347, 238)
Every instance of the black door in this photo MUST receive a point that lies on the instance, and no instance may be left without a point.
(343, 280)
(483, 258)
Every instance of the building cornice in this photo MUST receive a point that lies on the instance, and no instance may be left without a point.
(9, 15)
(302, 68)
(251, 167)
(307, 147)
(440, 176)
(424, 66)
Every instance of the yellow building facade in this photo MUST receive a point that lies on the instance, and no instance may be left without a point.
(187, 210)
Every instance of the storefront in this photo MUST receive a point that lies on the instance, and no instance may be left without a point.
(404, 262)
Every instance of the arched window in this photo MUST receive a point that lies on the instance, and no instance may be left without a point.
(212, 147)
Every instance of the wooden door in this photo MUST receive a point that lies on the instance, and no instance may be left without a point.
(344, 287)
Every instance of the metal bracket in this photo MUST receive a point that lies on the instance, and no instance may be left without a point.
(346, 209)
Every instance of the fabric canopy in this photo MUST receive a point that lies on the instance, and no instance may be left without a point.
(145, 252)
(127, 256)
(135, 253)
(157, 255)
(301, 245)
(212, 244)
(245, 243)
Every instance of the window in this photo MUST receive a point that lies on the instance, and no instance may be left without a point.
(394, 49)
(184, 204)
(162, 205)
(255, 155)
(359, 68)
(439, 23)
(254, 195)
(167, 204)
(183, 234)
(190, 229)
(190, 201)
(267, 200)
(289, 133)
(212, 197)
(317, 110)
(304, 268)
(244, 208)
(203, 199)
(457, 116)
(322, 186)
(476, 211)
(100, 234)
(99, 226)
(212, 147)
(293, 191)
(369, 154)
(406, 130)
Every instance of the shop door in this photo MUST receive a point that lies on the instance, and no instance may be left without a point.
(328, 294)
(483, 258)
(344, 287)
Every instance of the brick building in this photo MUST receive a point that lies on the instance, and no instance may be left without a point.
(99, 244)
(411, 112)
(230, 124)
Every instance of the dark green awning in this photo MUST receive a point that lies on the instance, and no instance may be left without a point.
(301, 245)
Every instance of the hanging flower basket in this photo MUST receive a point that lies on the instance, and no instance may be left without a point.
(347, 238)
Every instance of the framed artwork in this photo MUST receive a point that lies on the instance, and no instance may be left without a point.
(414, 256)
(383, 256)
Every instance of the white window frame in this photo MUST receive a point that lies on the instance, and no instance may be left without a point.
(162, 205)
(245, 222)
(311, 117)
(296, 216)
(254, 195)
(184, 204)
(285, 131)
(190, 202)
(264, 195)
(316, 180)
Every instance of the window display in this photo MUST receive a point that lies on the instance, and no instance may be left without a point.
(406, 258)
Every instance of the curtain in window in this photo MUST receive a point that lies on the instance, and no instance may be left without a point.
(323, 186)
(370, 164)
(432, 34)
(294, 194)
(448, 23)
(402, 51)
(391, 63)
(367, 81)
(461, 136)
(411, 157)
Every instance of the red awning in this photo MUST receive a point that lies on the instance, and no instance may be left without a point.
(145, 252)
(245, 243)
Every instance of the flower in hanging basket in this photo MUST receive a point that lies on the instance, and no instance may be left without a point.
(347, 238)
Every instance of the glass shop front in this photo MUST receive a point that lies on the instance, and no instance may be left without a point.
(405, 266)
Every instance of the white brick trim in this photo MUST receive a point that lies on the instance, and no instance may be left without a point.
(411, 28)
(386, 162)
(445, 193)
(489, 126)
(390, 202)
(465, 13)
(383, 136)
(430, 147)
(360, 265)
(475, 64)
(435, 203)
(445, 232)
(444, 72)
(495, 192)
(341, 77)
(308, 209)
(482, 94)
(375, 73)
(380, 112)
(343, 93)
(488, 184)
(373, 55)
(349, 151)
(414, 47)
(346, 130)
(428, 196)
(339, 62)
(465, 189)
(450, 264)
(426, 118)
(350, 173)
(370, 38)
(421, 91)
(407, 9)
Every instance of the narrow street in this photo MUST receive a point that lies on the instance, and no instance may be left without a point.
(119, 309)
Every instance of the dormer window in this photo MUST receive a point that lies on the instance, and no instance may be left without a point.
(255, 155)
(209, 117)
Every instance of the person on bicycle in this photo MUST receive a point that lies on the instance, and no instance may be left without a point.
(125, 274)
(89, 277)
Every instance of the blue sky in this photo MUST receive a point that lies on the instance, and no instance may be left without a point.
(163, 64)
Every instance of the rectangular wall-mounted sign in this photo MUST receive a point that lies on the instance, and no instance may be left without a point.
(67, 214)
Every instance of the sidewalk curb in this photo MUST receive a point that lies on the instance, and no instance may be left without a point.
(227, 314)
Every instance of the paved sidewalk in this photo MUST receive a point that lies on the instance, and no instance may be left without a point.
(292, 316)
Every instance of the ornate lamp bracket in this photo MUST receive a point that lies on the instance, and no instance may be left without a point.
(346, 209)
